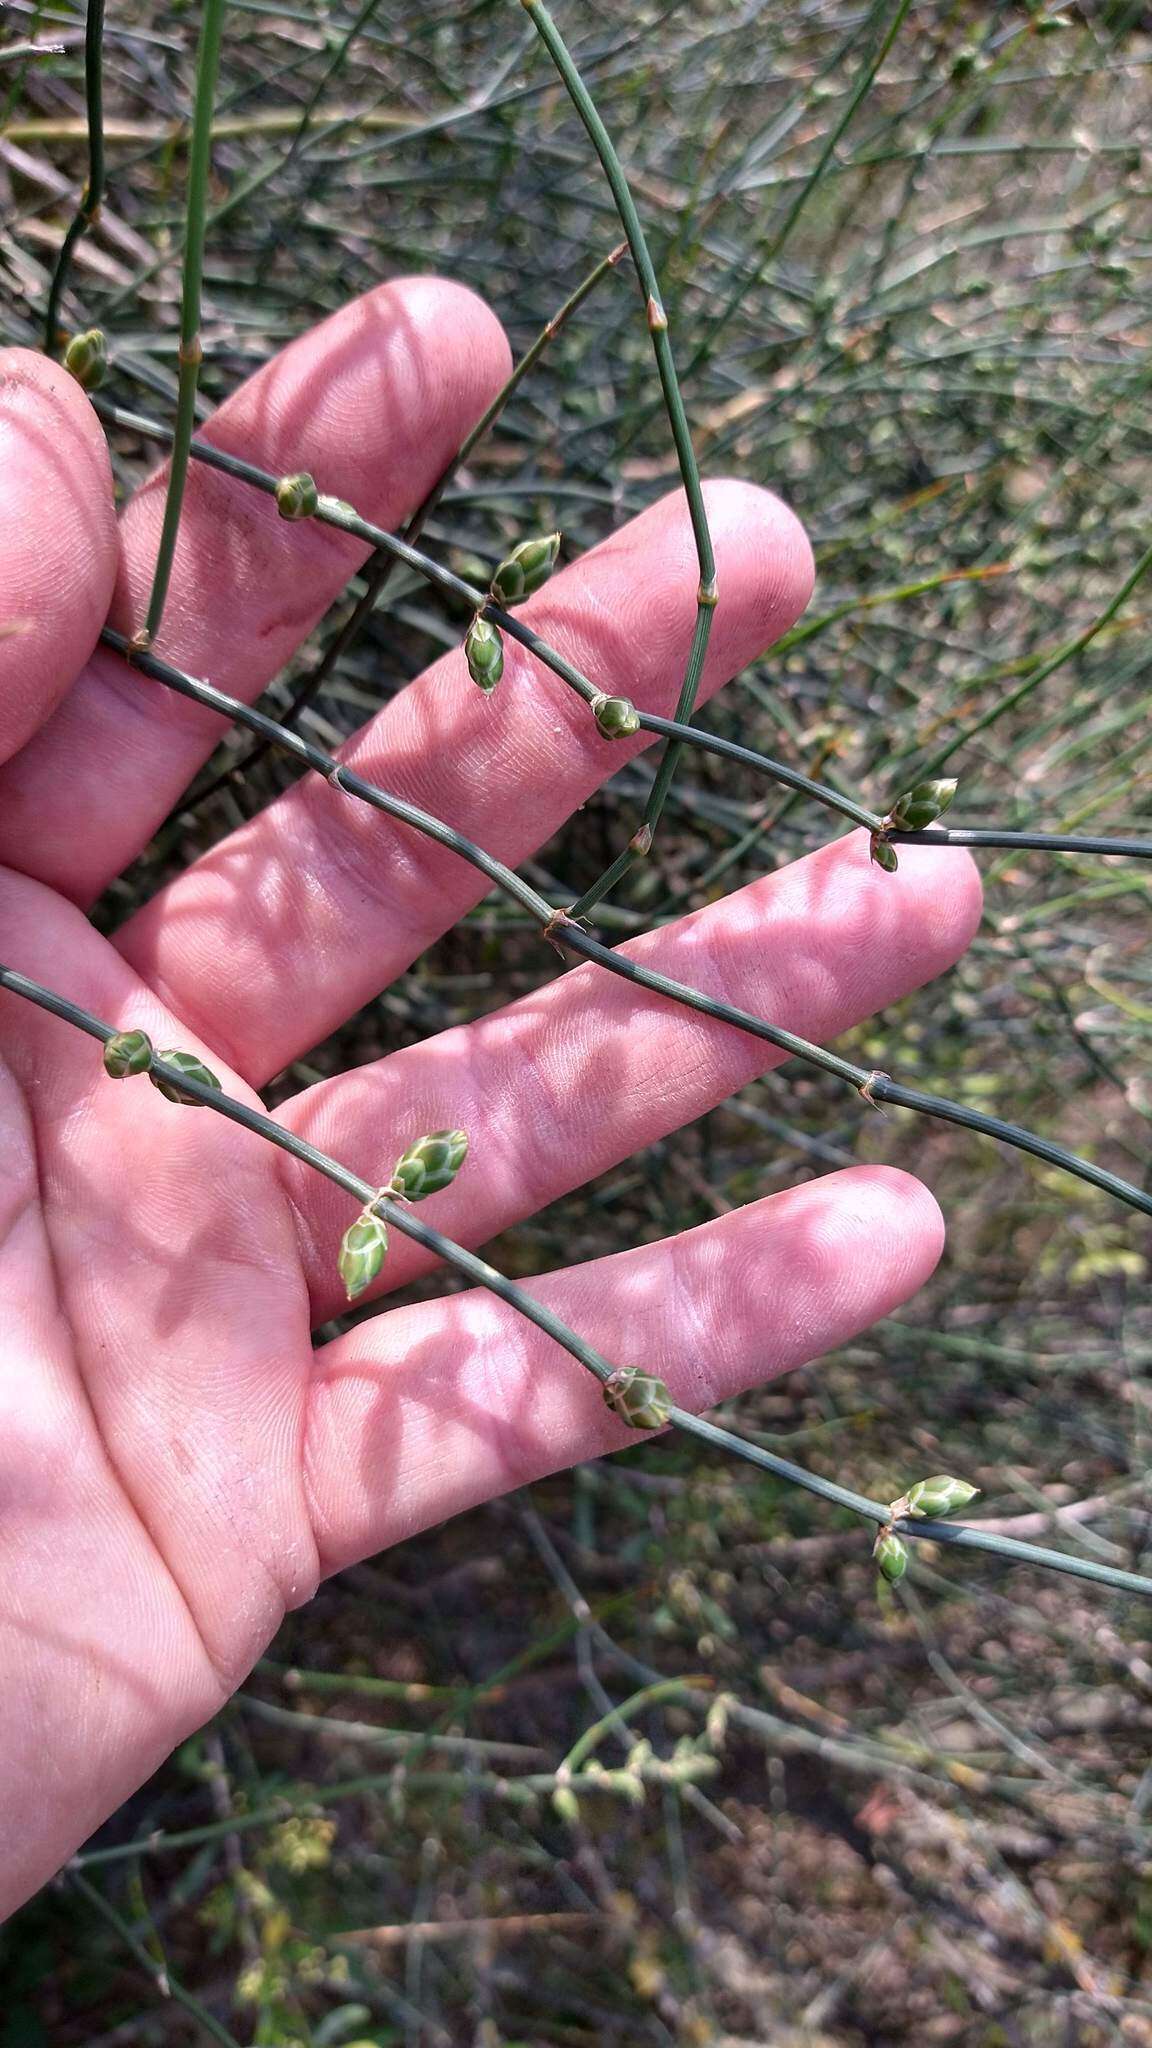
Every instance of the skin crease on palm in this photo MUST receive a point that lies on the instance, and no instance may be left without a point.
(178, 1465)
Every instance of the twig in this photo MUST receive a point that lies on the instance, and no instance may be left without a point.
(191, 352)
(398, 1216)
(91, 198)
(707, 594)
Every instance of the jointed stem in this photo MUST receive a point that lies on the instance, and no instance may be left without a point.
(207, 68)
(91, 198)
(378, 570)
(334, 512)
(400, 1217)
(707, 594)
(564, 932)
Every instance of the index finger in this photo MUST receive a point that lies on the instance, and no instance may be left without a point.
(375, 403)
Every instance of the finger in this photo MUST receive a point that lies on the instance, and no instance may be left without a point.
(374, 403)
(289, 926)
(567, 1082)
(420, 1413)
(57, 539)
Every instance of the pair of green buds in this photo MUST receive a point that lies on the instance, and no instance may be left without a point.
(86, 358)
(521, 573)
(132, 1052)
(929, 1498)
(429, 1165)
(913, 812)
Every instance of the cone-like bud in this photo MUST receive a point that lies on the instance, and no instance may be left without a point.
(129, 1052)
(920, 807)
(297, 496)
(86, 358)
(617, 717)
(186, 1063)
(362, 1251)
(939, 1495)
(525, 569)
(484, 653)
(638, 1398)
(430, 1164)
(883, 854)
(891, 1555)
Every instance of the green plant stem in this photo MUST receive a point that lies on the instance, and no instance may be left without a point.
(652, 1695)
(158, 1974)
(707, 594)
(91, 198)
(562, 930)
(334, 512)
(400, 1217)
(379, 568)
(191, 351)
(1028, 842)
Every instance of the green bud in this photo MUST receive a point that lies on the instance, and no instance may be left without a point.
(566, 1805)
(484, 653)
(939, 1495)
(129, 1052)
(297, 496)
(86, 359)
(920, 807)
(891, 1555)
(637, 1398)
(362, 1250)
(430, 1164)
(525, 569)
(617, 717)
(187, 1063)
(883, 855)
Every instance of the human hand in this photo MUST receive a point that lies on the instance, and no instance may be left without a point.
(177, 1464)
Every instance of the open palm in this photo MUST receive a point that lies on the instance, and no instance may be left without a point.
(177, 1463)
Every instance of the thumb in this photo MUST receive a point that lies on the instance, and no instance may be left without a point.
(58, 545)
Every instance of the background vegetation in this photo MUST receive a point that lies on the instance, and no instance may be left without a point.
(916, 1817)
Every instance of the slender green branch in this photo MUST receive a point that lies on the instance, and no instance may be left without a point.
(564, 932)
(379, 568)
(1027, 842)
(707, 594)
(400, 1217)
(191, 351)
(91, 198)
(334, 512)
(158, 1973)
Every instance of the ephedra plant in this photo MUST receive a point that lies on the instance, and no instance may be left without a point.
(486, 615)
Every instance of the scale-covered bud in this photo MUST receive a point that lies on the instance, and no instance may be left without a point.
(430, 1164)
(186, 1063)
(128, 1052)
(617, 717)
(637, 1398)
(883, 855)
(891, 1555)
(920, 807)
(940, 1495)
(362, 1251)
(297, 496)
(526, 569)
(484, 653)
(86, 358)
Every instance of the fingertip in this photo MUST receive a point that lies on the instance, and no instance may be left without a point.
(894, 1212)
(58, 544)
(947, 888)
